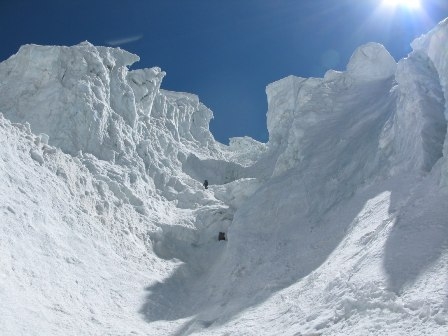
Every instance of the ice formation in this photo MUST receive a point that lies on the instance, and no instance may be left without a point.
(338, 225)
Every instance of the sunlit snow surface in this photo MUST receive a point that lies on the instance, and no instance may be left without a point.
(337, 226)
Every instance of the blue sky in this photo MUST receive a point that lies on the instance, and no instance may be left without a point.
(225, 51)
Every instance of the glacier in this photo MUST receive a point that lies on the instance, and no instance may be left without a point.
(338, 225)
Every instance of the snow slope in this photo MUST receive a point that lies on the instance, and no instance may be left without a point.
(338, 225)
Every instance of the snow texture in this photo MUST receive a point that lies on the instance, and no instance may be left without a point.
(338, 225)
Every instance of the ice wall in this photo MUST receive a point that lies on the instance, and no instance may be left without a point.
(85, 98)
(89, 104)
(418, 127)
(84, 82)
(433, 45)
(313, 122)
(410, 98)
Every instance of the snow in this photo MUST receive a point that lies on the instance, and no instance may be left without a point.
(336, 226)
(370, 62)
(430, 44)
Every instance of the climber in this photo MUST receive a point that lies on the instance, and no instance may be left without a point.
(222, 236)
(206, 184)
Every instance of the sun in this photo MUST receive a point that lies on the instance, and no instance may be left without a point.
(411, 4)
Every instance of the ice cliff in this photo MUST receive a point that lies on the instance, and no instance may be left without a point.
(338, 225)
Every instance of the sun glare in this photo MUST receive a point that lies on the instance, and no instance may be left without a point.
(411, 4)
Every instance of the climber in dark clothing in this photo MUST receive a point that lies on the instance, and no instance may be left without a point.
(206, 184)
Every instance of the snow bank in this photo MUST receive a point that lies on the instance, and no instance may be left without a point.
(74, 257)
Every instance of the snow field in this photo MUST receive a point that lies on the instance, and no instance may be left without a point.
(338, 225)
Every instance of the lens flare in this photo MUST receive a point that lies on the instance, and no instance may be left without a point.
(411, 4)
